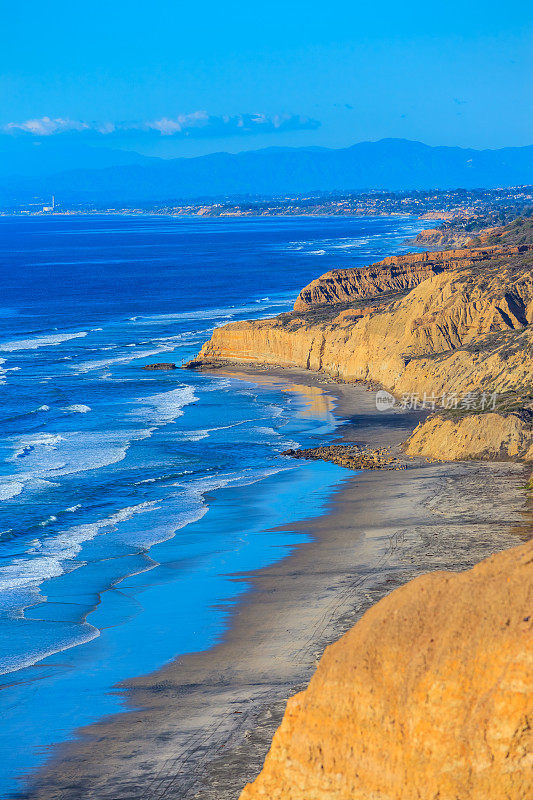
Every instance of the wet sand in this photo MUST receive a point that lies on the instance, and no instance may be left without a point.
(202, 725)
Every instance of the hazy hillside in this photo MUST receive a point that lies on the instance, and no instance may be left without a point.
(31, 157)
(389, 164)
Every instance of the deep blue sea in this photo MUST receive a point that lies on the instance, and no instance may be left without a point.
(129, 498)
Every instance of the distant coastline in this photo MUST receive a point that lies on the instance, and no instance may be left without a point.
(443, 205)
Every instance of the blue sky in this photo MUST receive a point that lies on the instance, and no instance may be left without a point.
(173, 78)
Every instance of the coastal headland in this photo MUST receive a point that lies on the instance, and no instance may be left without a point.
(202, 726)
(451, 329)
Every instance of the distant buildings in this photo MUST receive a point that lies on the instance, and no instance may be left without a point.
(444, 205)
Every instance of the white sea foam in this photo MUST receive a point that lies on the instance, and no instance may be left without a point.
(319, 247)
(220, 383)
(88, 366)
(192, 436)
(78, 408)
(285, 444)
(39, 341)
(348, 243)
(2, 371)
(10, 489)
(48, 520)
(20, 587)
(48, 638)
(275, 411)
(190, 505)
(196, 436)
(45, 442)
(267, 431)
(48, 558)
(167, 406)
(45, 455)
(208, 313)
(179, 510)
(282, 442)
(247, 477)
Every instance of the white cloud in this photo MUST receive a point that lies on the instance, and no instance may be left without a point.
(45, 126)
(182, 122)
(197, 124)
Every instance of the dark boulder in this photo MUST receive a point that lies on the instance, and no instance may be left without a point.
(159, 366)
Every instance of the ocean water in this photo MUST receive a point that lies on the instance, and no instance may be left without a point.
(128, 498)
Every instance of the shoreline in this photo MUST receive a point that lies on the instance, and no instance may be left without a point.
(203, 723)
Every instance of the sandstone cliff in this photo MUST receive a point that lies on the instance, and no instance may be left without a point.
(490, 435)
(395, 273)
(474, 231)
(429, 696)
(446, 237)
(461, 323)
(455, 331)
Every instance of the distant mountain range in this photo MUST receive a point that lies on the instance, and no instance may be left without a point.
(75, 173)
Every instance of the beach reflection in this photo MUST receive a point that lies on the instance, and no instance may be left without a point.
(317, 404)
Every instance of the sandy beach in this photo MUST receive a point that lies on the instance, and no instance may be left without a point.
(201, 726)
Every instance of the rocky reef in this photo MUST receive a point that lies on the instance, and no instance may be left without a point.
(429, 695)
(350, 456)
(160, 366)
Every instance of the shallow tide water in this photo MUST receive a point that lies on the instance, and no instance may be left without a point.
(129, 499)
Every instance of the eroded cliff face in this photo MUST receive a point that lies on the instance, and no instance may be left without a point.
(491, 435)
(429, 696)
(441, 238)
(393, 274)
(459, 329)
(455, 331)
